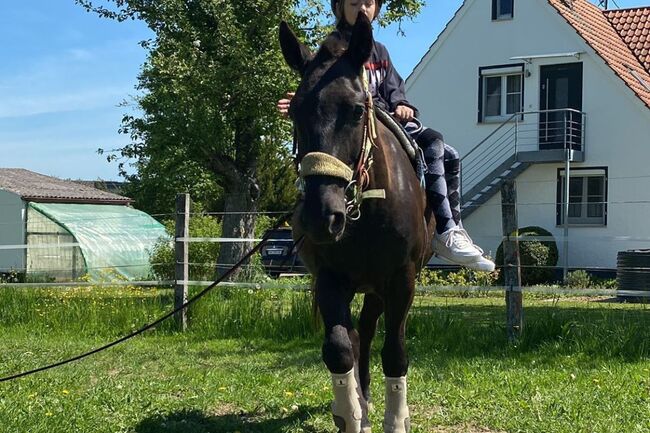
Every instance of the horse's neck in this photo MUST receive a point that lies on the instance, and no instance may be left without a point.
(391, 168)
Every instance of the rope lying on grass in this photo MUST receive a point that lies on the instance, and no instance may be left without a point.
(163, 318)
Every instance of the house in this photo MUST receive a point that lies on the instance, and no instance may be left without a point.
(525, 89)
(62, 230)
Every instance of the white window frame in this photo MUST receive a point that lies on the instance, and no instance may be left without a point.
(583, 220)
(503, 73)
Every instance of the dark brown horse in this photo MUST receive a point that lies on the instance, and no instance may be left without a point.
(374, 246)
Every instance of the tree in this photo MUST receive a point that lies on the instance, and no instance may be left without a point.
(210, 82)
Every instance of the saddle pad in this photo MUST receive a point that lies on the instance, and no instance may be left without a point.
(408, 144)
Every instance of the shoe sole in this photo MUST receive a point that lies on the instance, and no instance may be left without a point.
(465, 265)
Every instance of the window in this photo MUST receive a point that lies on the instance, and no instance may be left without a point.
(503, 9)
(587, 197)
(501, 93)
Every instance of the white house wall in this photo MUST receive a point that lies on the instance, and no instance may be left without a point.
(12, 231)
(445, 89)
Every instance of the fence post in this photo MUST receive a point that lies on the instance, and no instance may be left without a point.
(511, 268)
(182, 258)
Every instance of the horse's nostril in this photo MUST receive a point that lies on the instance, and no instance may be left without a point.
(336, 223)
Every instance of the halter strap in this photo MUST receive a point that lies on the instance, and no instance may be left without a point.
(319, 163)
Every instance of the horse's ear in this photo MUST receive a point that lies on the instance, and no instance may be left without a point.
(295, 53)
(360, 45)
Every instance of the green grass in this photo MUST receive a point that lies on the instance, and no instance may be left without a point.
(251, 363)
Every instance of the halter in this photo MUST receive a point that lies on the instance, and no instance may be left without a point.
(324, 164)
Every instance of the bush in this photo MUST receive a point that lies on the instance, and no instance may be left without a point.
(578, 280)
(203, 255)
(538, 258)
(463, 277)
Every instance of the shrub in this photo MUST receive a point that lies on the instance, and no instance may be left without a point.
(203, 255)
(538, 258)
(578, 280)
(462, 277)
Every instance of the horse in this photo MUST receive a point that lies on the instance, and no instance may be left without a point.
(363, 221)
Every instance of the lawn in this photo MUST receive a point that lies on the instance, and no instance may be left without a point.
(251, 363)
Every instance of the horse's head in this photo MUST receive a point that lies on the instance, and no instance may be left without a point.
(328, 113)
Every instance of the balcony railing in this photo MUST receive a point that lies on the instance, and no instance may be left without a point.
(529, 133)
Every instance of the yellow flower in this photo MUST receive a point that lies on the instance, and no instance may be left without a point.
(49, 414)
(65, 392)
(222, 388)
(288, 393)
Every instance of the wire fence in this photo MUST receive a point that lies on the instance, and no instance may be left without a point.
(625, 241)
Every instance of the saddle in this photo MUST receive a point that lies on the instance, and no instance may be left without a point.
(412, 149)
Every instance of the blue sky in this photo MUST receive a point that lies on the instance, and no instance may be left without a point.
(64, 72)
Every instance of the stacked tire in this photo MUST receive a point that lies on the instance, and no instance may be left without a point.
(633, 275)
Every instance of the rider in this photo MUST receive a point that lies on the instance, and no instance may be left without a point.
(451, 240)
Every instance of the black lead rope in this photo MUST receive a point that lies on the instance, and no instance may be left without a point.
(163, 318)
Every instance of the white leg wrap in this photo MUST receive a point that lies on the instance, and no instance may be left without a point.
(397, 417)
(346, 407)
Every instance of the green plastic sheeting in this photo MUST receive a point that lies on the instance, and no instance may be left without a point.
(113, 239)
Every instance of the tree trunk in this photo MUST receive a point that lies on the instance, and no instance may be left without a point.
(238, 222)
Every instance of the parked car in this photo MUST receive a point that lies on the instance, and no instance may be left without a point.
(280, 255)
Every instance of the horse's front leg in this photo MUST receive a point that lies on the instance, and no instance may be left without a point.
(372, 309)
(340, 353)
(399, 297)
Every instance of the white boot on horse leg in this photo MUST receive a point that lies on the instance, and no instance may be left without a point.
(346, 408)
(396, 417)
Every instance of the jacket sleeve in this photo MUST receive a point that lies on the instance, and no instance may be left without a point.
(392, 89)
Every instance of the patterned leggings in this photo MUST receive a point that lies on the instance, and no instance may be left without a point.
(442, 177)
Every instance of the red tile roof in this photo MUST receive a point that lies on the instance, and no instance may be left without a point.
(634, 27)
(592, 25)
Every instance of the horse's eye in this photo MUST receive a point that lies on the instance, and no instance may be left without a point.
(357, 112)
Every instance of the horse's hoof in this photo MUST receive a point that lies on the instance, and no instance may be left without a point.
(371, 408)
(366, 430)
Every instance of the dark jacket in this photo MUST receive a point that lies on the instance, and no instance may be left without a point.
(386, 85)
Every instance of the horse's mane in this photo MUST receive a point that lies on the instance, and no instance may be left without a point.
(331, 49)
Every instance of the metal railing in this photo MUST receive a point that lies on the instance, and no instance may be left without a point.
(534, 131)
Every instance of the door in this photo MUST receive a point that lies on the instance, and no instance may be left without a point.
(560, 87)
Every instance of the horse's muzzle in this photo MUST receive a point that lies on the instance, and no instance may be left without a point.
(323, 212)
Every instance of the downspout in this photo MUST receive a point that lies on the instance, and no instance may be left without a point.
(567, 176)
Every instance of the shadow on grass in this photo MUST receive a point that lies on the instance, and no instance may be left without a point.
(198, 422)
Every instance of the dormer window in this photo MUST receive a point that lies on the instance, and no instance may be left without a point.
(503, 9)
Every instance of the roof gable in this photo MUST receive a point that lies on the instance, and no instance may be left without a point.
(32, 186)
(593, 26)
(633, 25)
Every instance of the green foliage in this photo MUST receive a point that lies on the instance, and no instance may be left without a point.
(462, 277)
(208, 122)
(202, 255)
(579, 279)
(13, 276)
(538, 258)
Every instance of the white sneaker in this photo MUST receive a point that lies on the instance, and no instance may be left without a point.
(457, 247)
